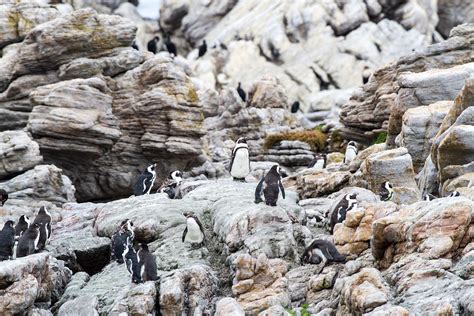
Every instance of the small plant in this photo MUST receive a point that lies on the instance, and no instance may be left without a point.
(315, 138)
(380, 139)
(303, 311)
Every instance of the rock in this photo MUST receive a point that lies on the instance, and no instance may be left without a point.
(434, 229)
(44, 183)
(189, 289)
(427, 178)
(396, 167)
(452, 14)
(316, 183)
(364, 291)
(18, 153)
(83, 305)
(140, 300)
(228, 306)
(420, 125)
(77, 282)
(276, 310)
(260, 283)
(374, 107)
(298, 279)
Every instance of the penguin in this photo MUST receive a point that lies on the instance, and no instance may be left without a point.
(318, 163)
(348, 203)
(386, 191)
(454, 194)
(120, 240)
(132, 262)
(43, 219)
(7, 241)
(23, 224)
(321, 250)
(147, 262)
(202, 49)
(172, 186)
(295, 107)
(28, 242)
(429, 197)
(3, 196)
(351, 152)
(145, 181)
(194, 231)
(241, 93)
(271, 186)
(151, 46)
(170, 46)
(240, 163)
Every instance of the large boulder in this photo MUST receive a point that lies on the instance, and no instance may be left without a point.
(18, 153)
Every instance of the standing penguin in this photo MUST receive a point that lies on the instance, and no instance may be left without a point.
(28, 242)
(271, 186)
(7, 241)
(43, 219)
(170, 46)
(319, 162)
(145, 181)
(147, 264)
(132, 261)
(172, 186)
(351, 152)
(202, 48)
(3, 196)
(121, 239)
(152, 44)
(386, 191)
(240, 163)
(241, 93)
(194, 231)
(321, 250)
(348, 203)
(23, 224)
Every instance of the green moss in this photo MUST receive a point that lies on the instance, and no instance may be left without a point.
(381, 138)
(303, 311)
(192, 95)
(315, 138)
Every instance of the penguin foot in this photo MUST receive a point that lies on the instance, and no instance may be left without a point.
(240, 179)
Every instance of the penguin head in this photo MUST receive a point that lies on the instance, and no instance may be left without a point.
(35, 226)
(176, 175)
(24, 218)
(352, 144)
(352, 196)
(144, 246)
(157, 38)
(204, 42)
(151, 168)
(241, 140)
(295, 107)
(9, 224)
(454, 194)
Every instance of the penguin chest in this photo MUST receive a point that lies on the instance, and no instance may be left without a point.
(240, 166)
(194, 234)
(319, 165)
(350, 155)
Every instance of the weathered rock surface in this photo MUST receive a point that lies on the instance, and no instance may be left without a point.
(18, 153)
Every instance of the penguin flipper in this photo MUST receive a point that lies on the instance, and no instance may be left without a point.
(232, 160)
(258, 191)
(282, 189)
(184, 233)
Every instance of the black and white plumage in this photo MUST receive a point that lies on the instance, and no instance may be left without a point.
(145, 181)
(3, 196)
(240, 161)
(319, 162)
(321, 251)
(429, 197)
(454, 194)
(386, 191)
(351, 152)
(134, 45)
(7, 241)
(194, 231)
(147, 262)
(202, 49)
(348, 203)
(152, 44)
(241, 92)
(295, 107)
(121, 239)
(172, 186)
(22, 225)
(43, 219)
(28, 242)
(170, 46)
(132, 262)
(270, 185)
